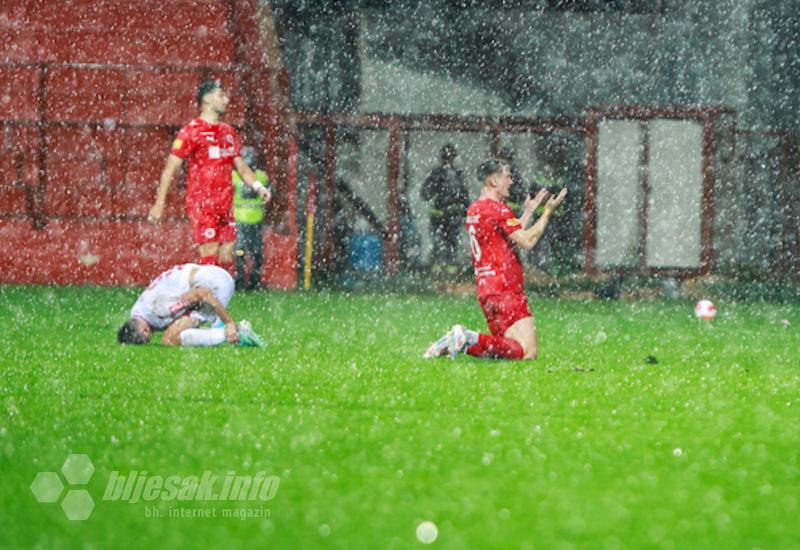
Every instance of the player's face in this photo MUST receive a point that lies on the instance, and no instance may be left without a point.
(218, 100)
(503, 182)
(144, 329)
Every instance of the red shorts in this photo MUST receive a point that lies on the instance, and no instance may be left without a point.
(503, 310)
(210, 225)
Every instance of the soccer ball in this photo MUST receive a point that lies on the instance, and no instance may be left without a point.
(705, 310)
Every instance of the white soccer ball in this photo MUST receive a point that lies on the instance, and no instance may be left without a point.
(705, 310)
(427, 532)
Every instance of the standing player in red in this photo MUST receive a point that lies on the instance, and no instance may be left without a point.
(212, 149)
(494, 231)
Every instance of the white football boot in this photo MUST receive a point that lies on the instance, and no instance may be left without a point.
(457, 342)
(438, 348)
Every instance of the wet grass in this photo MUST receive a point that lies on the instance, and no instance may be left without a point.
(638, 426)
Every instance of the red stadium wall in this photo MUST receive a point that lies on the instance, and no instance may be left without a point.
(92, 93)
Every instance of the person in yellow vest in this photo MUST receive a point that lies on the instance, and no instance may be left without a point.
(248, 210)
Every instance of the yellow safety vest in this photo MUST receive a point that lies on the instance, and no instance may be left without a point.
(248, 210)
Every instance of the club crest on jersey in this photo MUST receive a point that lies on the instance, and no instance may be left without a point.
(229, 139)
(177, 144)
(511, 222)
(210, 233)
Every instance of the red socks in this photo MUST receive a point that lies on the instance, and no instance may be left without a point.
(496, 347)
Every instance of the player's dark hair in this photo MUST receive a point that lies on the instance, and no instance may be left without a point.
(129, 333)
(490, 168)
(206, 88)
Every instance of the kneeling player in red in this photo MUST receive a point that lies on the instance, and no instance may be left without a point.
(494, 233)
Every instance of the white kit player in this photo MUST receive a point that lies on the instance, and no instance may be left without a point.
(178, 301)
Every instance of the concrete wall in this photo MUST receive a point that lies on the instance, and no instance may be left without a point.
(741, 54)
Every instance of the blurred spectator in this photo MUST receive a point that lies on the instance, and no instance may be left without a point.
(542, 256)
(548, 179)
(566, 238)
(446, 194)
(248, 210)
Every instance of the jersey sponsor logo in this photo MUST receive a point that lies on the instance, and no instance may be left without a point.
(177, 144)
(210, 233)
(215, 152)
(511, 222)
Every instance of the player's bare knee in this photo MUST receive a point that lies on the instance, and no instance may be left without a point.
(529, 349)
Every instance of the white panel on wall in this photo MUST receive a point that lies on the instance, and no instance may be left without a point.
(619, 193)
(674, 208)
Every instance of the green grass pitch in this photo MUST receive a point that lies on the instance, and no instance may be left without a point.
(638, 426)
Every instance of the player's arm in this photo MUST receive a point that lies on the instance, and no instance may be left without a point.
(249, 177)
(528, 238)
(531, 204)
(174, 163)
(205, 296)
(172, 336)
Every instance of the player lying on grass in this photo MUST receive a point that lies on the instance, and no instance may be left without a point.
(494, 233)
(178, 301)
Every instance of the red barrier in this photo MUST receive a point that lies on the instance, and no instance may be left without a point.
(116, 253)
(90, 99)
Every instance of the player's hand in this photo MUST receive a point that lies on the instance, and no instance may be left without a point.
(554, 202)
(531, 204)
(231, 334)
(156, 214)
(266, 194)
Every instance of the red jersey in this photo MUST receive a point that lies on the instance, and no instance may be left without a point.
(497, 266)
(210, 150)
